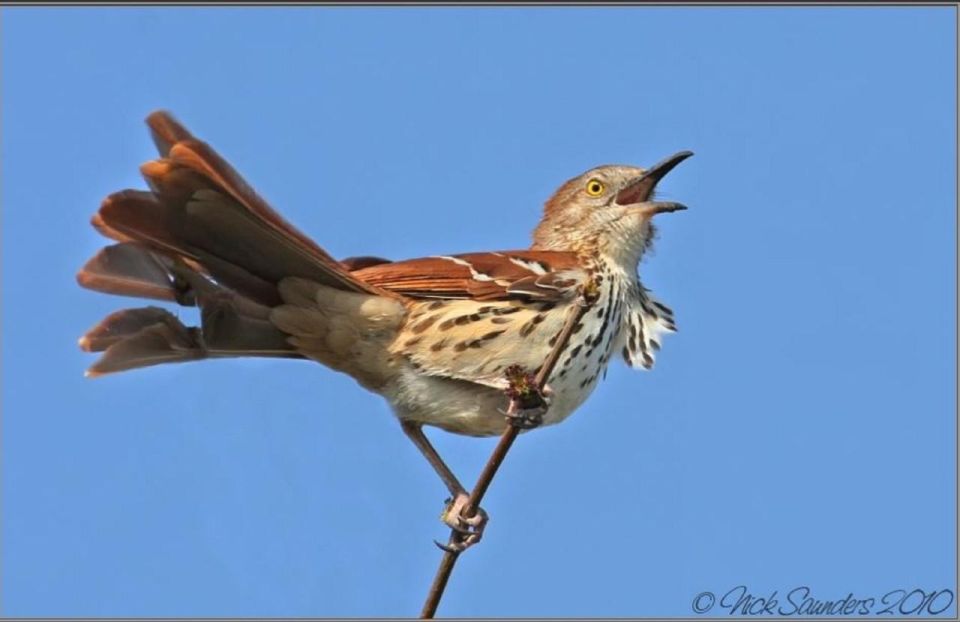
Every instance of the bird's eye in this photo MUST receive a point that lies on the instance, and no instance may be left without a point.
(595, 187)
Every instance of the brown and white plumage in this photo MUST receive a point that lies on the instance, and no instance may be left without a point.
(433, 335)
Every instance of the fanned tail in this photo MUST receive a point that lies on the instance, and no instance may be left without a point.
(231, 324)
(200, 237)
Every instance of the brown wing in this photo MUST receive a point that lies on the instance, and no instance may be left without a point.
(529, 275)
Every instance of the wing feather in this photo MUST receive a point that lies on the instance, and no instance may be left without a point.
(548, 276)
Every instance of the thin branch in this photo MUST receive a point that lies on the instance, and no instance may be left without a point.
(451, 555)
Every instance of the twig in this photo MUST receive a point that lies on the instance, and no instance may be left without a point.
(451, 555)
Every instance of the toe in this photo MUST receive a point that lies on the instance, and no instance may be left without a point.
(478, 520)
(453, 516)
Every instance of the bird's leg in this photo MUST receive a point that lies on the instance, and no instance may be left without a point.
(414, 432)
(528, 400)
(470, 528)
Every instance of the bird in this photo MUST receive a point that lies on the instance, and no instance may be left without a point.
(441, 338)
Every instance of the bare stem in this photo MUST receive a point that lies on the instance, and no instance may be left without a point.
(451, 555)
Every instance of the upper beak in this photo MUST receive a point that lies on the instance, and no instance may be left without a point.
(640, 189)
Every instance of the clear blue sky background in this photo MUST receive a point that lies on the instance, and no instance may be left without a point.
(799, 430)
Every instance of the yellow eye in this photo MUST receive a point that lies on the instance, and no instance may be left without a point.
(595, 187)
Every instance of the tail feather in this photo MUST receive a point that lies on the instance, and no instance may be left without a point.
(123, 324)
(230, 325)
(134, 338)
(200, 237)
(166, 131)
(188, 153)
(131, 269)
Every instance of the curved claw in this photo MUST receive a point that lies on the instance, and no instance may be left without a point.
(468, 530)
(456, 547)
(460, 546)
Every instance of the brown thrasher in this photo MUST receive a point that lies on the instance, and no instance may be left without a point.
(441, 338)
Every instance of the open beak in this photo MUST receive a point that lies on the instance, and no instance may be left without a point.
(640, 189)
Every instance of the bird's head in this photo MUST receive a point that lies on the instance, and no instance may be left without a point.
(608, 209)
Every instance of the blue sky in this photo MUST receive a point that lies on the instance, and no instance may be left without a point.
(798, 431)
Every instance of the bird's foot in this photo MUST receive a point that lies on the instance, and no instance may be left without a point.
(469, 529)
(529, 401)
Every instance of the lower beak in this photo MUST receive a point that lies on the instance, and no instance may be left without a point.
(640, 189)
(652, 208)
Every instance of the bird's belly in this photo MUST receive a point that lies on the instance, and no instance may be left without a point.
(464, 407)
(473, 408)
